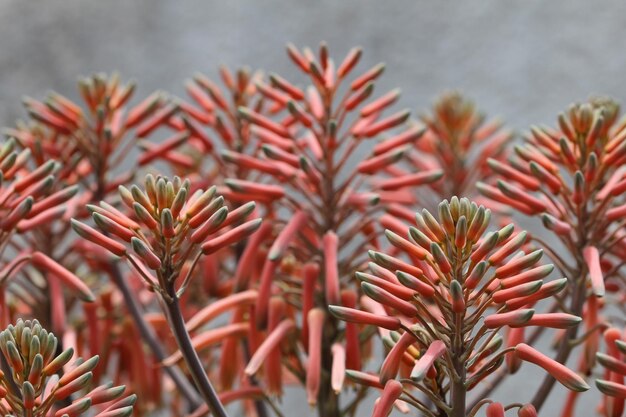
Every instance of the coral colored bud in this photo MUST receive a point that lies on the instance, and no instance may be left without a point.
(536, 273)
(208, 338)
(512, 174)
(110, 226)
(315, 318)
(261, 120)
(143, 250)
(411, 180)
(422, 287)
(405, 245)
(363, 378)
(145, 217)
(513, 318)
(517, 265)
(271, 341)
(395, 289)
(211, 225)
(249, 187)
(220, 306)
(495, 410)
(206, 212)
(358, 97)
(579, 188)
(546, 290)
(386, 298)
(612, 364)
(612, 389)
(556, 225)
(379, 162)
(404, 138)
(434, 352)
(338, 370)
(460, 234)
(521, 290)
(561, 373)
(58, 362)
(380, 103)
(592, 259)
(288, 233)
(485, 246)
(394, 264)
(362, 317)
(516, 193)
(368, 76)
(528, 410)
(234, 235)
(440, 258)
(349, 62)
(68, 278)
(456, 294)
(17, 214)
(509, 248)
(476, 275)
(554, 320)
(392, 391)
(391, 364)
(287, 87)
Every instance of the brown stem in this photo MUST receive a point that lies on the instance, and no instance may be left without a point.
(458, 392)
(327, 400)
(148, 335)
(177, 324)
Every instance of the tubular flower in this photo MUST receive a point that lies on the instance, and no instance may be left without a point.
(572, 178)
(450, 334)
(32, 388)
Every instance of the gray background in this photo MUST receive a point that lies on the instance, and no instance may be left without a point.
(523, 61)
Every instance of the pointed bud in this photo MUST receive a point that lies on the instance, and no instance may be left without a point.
(515, 318)
(561, 373)
(456, 295)
(392, 391)
(434, 352)
(362, 317)
(145, 253)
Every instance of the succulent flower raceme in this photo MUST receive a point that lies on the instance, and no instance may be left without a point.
(168, 229)
(310, 168)
(460, 138)
(440, 304)
(28, 201)
(168, 234)
(573, 178)
(32, 387)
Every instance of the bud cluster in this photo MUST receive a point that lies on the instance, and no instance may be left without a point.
(33, 388)
(168, 228)
(441, 298)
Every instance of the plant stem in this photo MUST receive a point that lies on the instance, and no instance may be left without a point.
(177, 324)
(458, 392)
(578, 300)
(148, 335)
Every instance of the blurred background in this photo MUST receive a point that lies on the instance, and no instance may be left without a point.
(522, 61)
